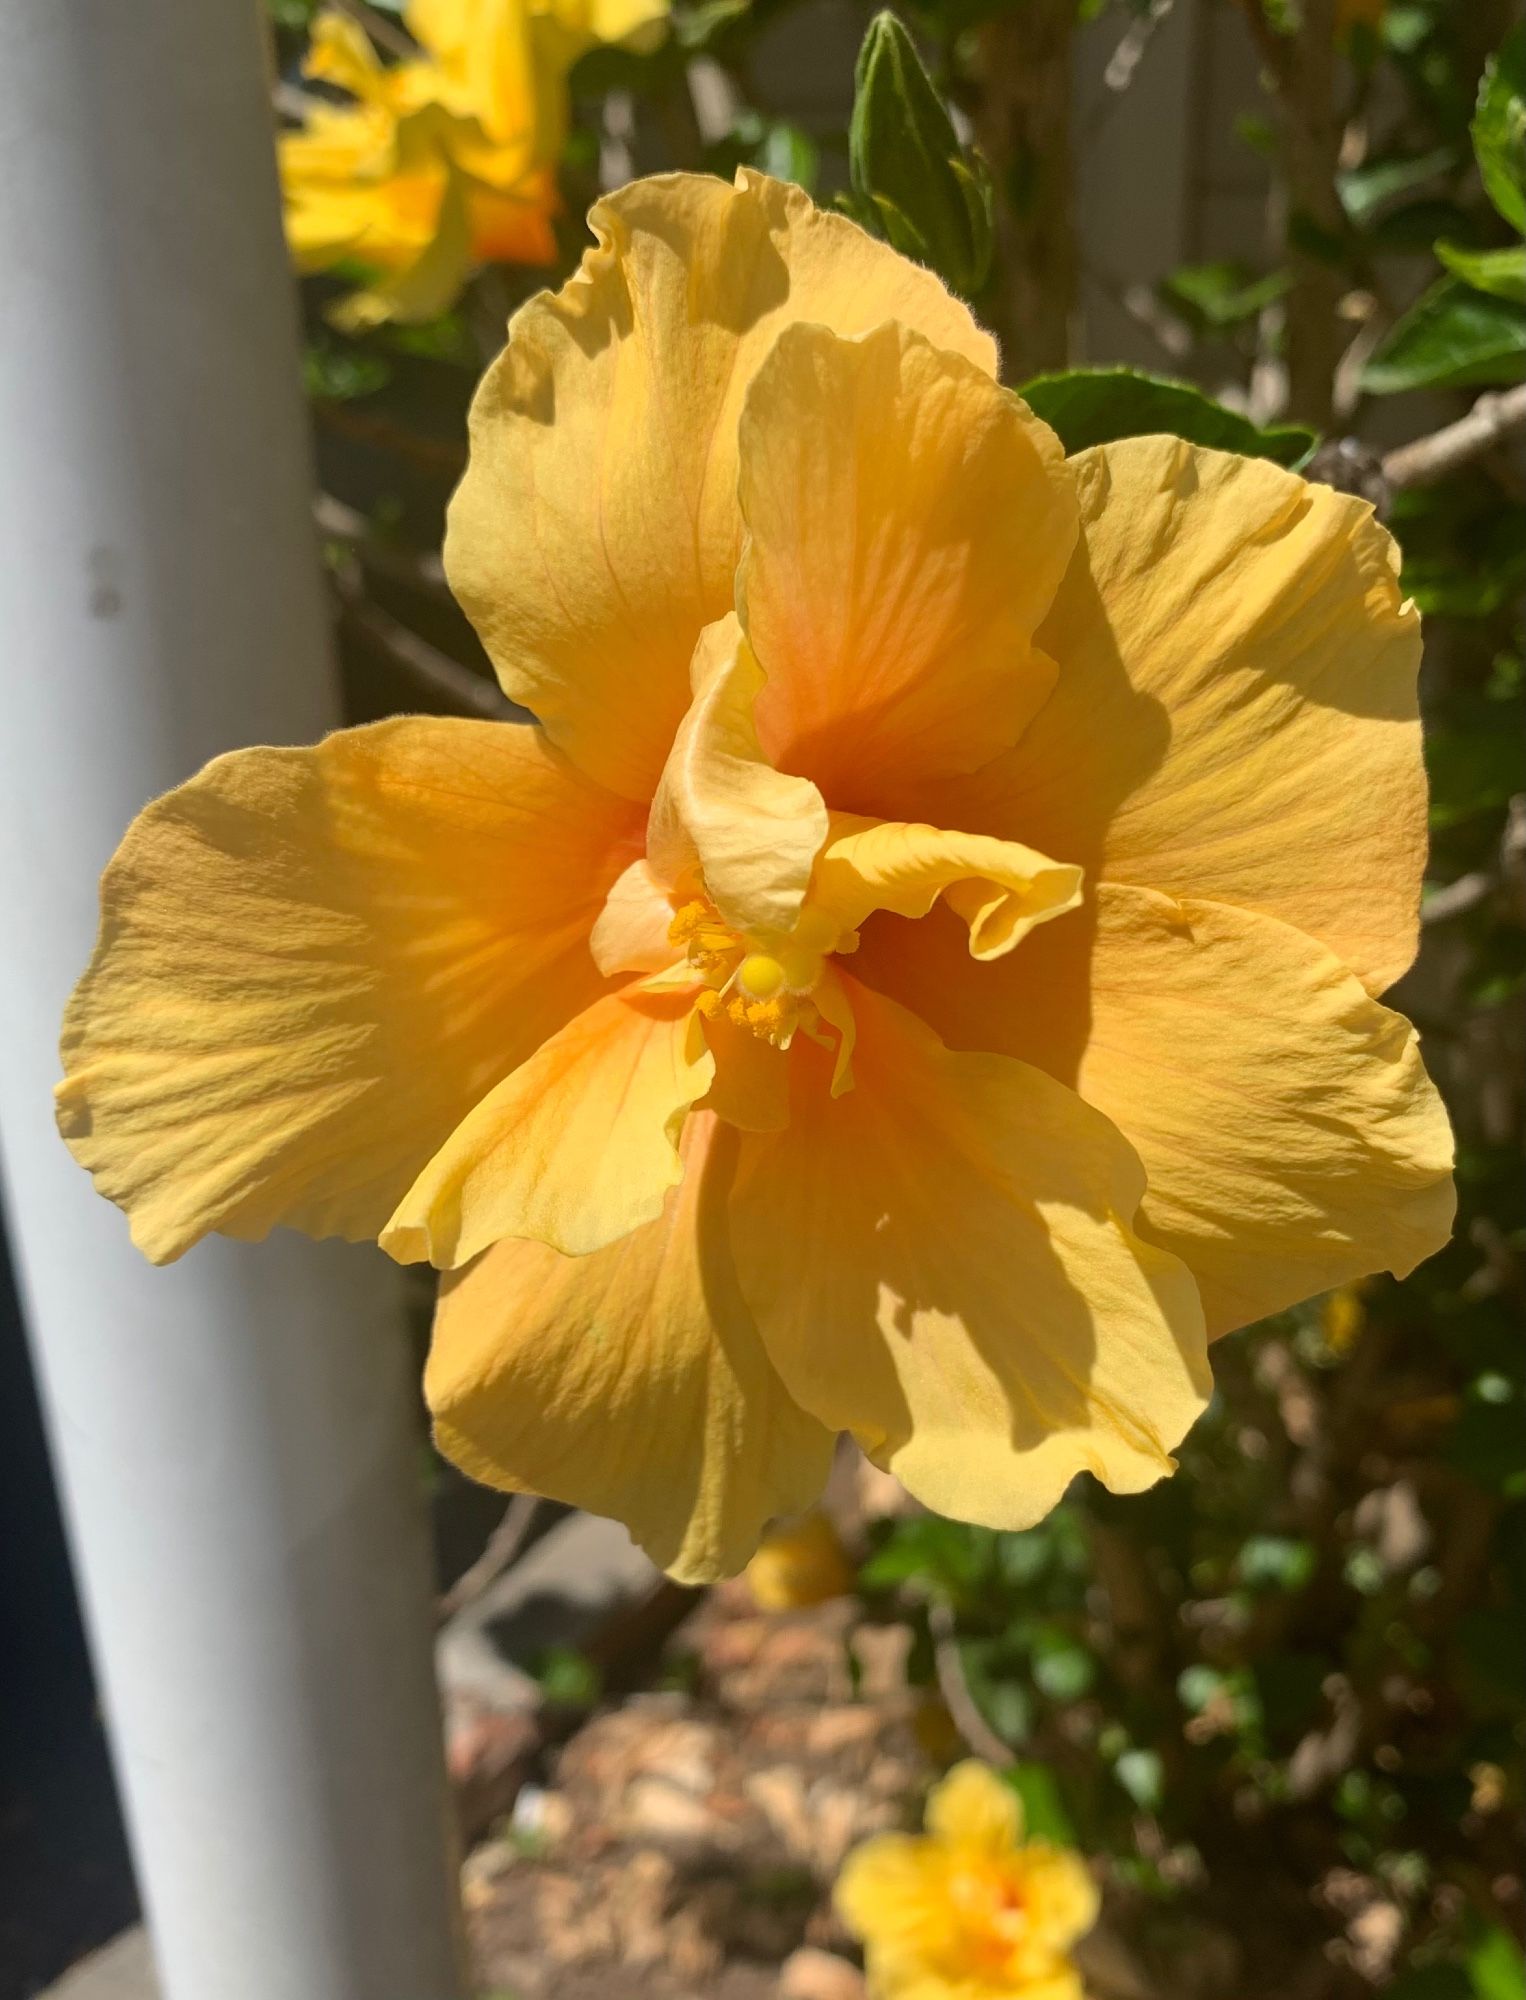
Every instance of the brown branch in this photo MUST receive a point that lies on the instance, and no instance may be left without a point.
(1022, 122)
(455, 685)
(1276, 57)
(503, 1547)
(962, 1706)
(367, 427)
(1491, 420)
(337, 521)
(386, 34)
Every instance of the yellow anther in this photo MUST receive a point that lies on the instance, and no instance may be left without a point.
(687, 921)
(761, 977)
(709, 1003)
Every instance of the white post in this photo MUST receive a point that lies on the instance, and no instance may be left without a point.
(234, 1434)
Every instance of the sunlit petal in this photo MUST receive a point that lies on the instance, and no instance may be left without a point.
(630, 1381)
(597, 530)
(312, 963)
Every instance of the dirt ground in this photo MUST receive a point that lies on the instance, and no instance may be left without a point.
(688, 1837)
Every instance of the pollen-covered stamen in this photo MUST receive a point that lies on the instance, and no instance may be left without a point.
(764, 987)
(709, 945)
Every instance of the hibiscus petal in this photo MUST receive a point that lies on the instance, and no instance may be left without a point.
(971, 1807)
(724, 820)
(1291, 1137)
(597, 531)
(1235, 716)
(893, 1892)
(419, 287)
(631, 933)
(578, 1147)
(312, 963)
(1000, 888)
(908, 522)
(631, 1381)
(941, 1262)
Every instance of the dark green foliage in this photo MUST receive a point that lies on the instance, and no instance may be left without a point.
(1088, 406)
(1455, 338)
(1499, 130)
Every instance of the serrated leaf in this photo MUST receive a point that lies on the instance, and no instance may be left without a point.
(1453, 338)
(1088, 406)
(1499, 129)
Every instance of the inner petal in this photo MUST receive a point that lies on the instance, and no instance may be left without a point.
(751, 889)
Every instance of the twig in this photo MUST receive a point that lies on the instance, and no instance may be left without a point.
(434, 455)
(503, 1546)
(339, 522)
(1130, 52)
(290, 101)
(955, 1690)
(460, 689)
(1491, 420)
(1272, 48)
(386, 34)
(1457, 898)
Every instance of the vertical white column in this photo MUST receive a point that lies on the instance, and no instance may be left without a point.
(234, 1434)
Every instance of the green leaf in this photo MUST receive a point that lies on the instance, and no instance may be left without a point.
(696, 29)
(1004, 1702)
(912, 180)
(1276, 1562)
(1475, 767)
(1044, 1814)
(1368, 189)
(568, 1679)
(1496, 1967)
(1224, 294)
(1453, 338)
(1142, 1775)
(1499, 129)
(1062, 1668)
(1433, 1982)
(1088, 406)
(332, 373)
(945, 1555)
(1501, 273)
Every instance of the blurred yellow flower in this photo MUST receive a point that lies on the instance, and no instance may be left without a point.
(970, 1910)
(798, 1565)
(444, 162)
(1342, 1318)
(916, 980)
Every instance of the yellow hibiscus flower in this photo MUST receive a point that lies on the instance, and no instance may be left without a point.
(446, 162)
(798, 1564)
(915, 980)
(970, 1911)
